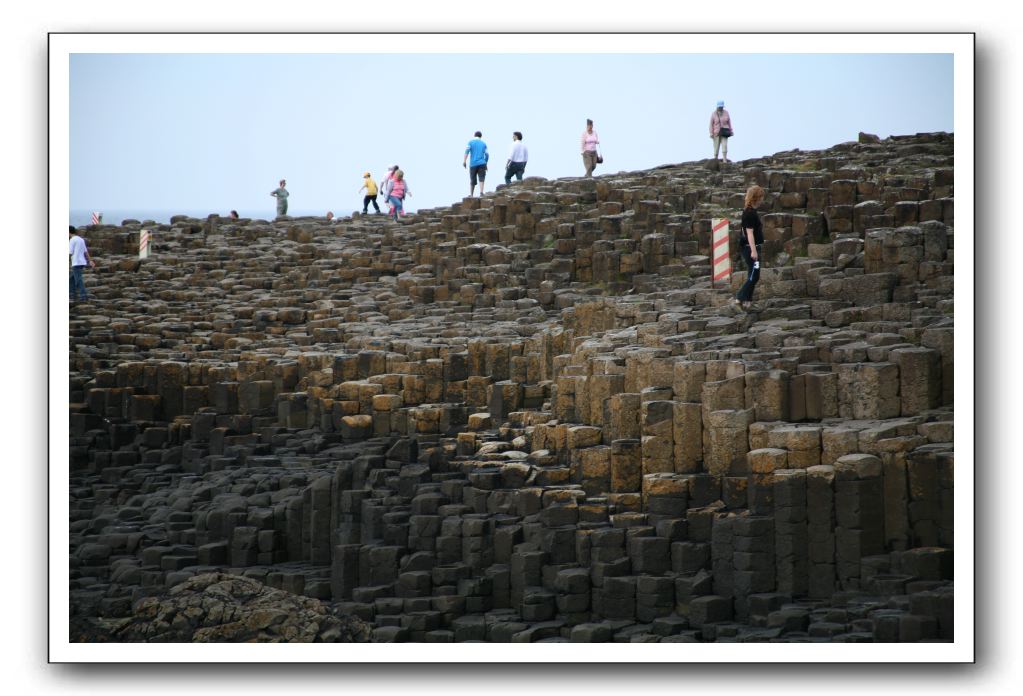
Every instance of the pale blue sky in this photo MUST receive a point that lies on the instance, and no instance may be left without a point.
(212, 132)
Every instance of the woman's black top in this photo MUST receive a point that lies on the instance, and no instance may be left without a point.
(751, 220)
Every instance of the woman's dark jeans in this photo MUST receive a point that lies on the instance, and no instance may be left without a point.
(745, 293)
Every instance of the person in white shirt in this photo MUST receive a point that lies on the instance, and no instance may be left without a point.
(79, 260)
(387, 183)
(516, 159)
(588, 146)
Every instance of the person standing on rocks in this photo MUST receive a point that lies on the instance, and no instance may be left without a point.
(281, 194)
(371, 193)
(720, 130)
(399, 189)
(79, 260)
(386, 183)
(478, 164)
(588, 145)
(517, 158)
(751, 238)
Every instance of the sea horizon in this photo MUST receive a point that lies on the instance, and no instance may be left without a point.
(115, 216)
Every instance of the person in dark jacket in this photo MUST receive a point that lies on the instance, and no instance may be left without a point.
(751, 239)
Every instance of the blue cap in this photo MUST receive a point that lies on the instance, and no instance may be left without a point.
(720, 104)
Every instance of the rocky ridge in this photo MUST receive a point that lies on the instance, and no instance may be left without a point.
(530, 417)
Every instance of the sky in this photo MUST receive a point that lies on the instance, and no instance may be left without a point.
(207, 132)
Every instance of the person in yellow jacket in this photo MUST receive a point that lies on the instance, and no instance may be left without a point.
(371, 193)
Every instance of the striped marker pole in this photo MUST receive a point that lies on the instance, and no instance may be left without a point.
(722, 264)
(97, 218)
(144, 244)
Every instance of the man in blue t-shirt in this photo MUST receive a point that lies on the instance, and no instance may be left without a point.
(478, 164)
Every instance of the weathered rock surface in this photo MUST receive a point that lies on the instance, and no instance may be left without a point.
(219, 608)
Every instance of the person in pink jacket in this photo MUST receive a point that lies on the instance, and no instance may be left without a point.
(396, 196)
(720, 130)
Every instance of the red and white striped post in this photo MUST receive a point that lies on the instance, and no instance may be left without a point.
(720, 251)
(144, 244)
(97, 218)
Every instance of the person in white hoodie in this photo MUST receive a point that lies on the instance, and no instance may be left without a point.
(386, 184)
